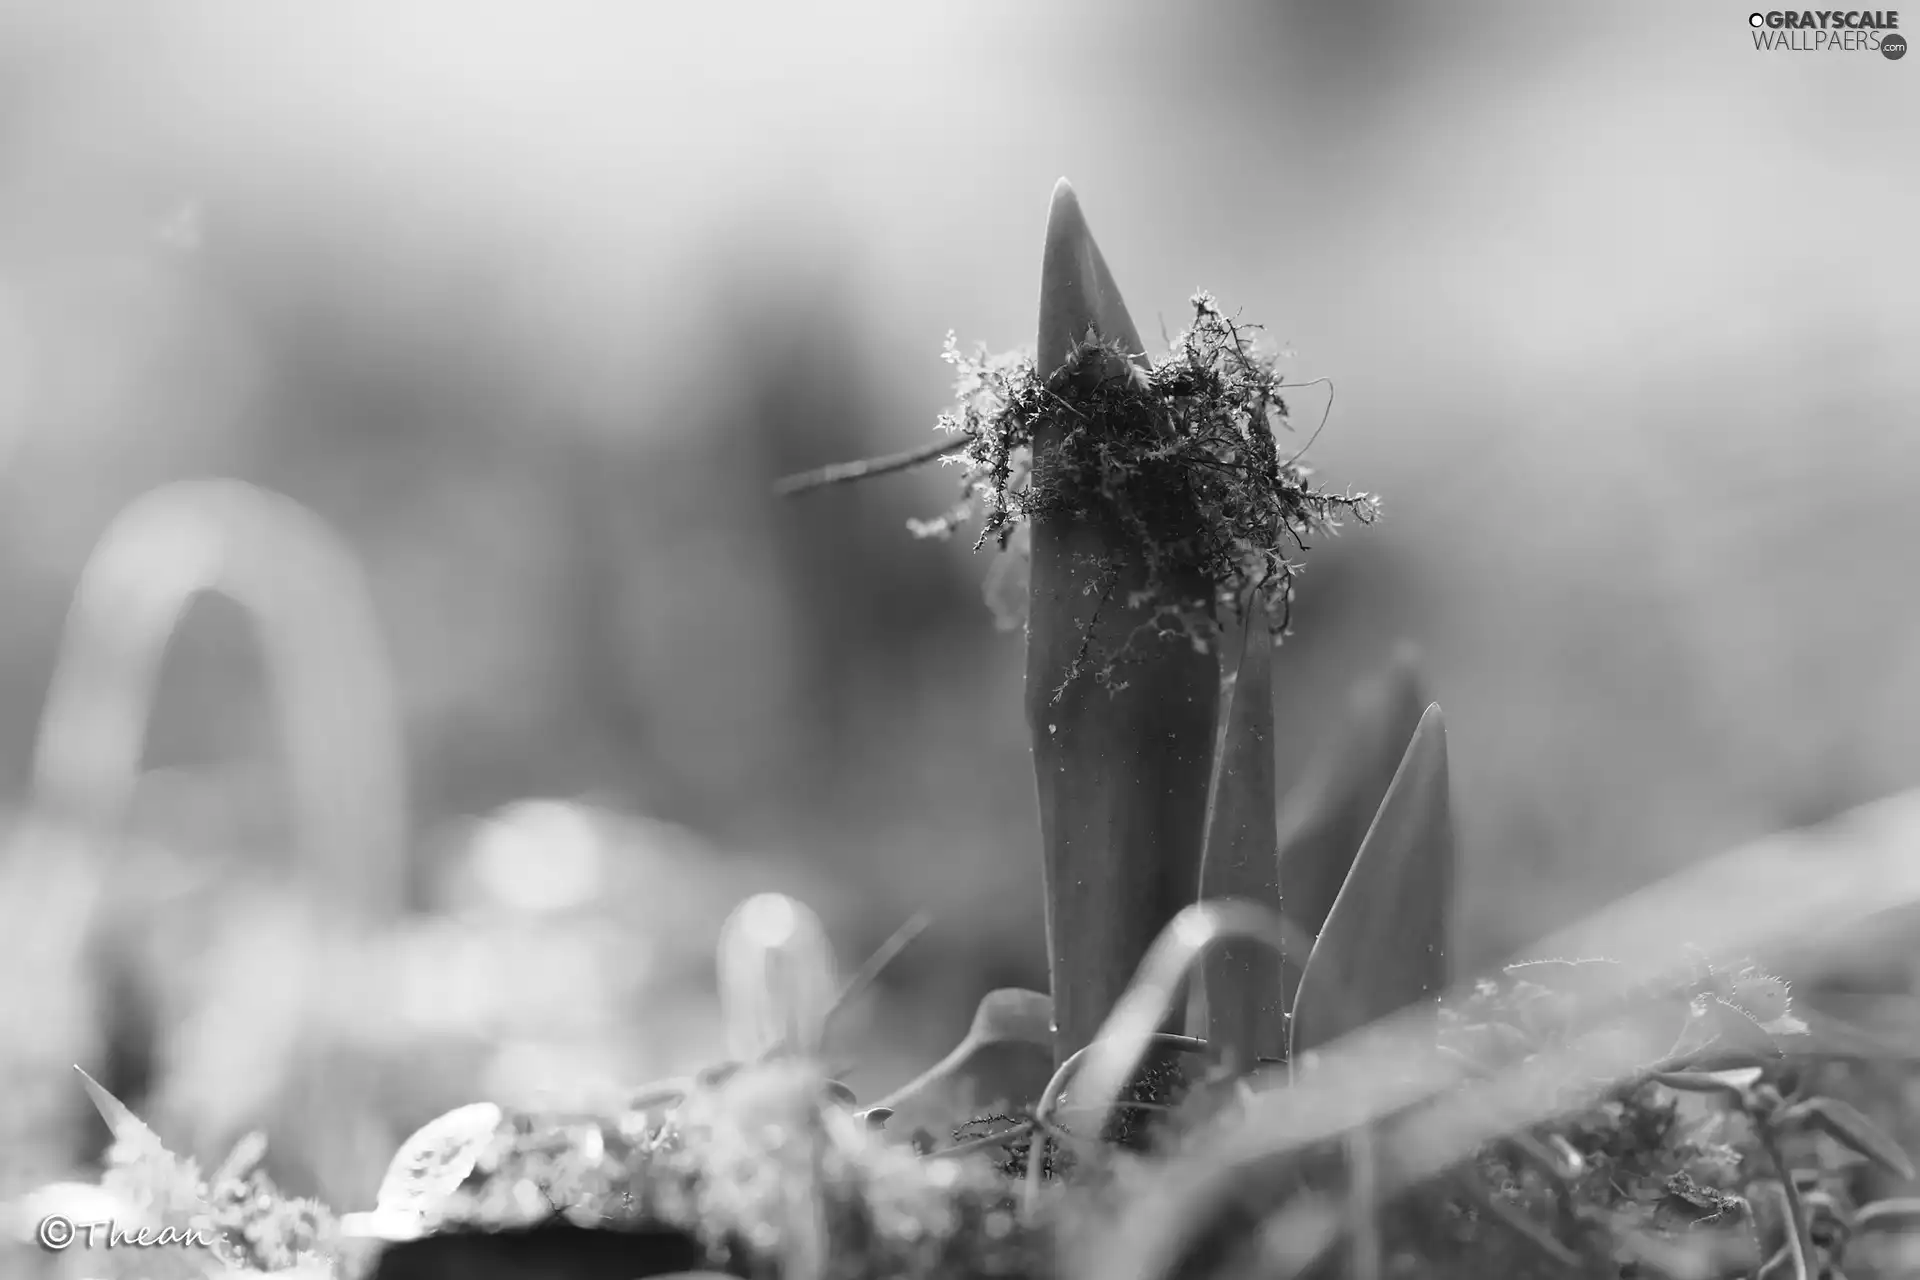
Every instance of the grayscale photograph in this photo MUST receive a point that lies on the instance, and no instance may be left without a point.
(963, 640)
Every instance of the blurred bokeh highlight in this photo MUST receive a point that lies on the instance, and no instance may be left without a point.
(463, 752)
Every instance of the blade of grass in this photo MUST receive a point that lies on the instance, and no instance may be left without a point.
(1384, 946)
(1182, 947)
(869, 973)
(1326, 817)
(1121, 769)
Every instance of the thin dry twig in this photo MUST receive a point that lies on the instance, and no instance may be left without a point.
(1003, 1138)
(866, 468)
(870, 972)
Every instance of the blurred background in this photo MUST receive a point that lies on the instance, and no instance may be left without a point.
(525, 306)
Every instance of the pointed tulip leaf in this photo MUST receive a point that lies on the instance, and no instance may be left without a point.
(1077, 290)
(1385, 943)
(1121, 768)
(1001, 1067)
(1244, 1004)
(1327, 816)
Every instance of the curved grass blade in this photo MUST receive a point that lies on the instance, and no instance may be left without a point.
(1897, 1214)
(1115, 1054)
(1384, 946)
(1327, 815)
(1244, 1010)
(1055, 1101)
(307, 596)
(1121, 769)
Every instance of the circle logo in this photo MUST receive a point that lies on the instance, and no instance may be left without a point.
(1893, 47)
(55, 1232)
(1756, 19)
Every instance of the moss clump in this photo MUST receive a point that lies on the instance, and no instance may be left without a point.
(1183, 457)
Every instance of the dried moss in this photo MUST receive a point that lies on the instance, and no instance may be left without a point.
(1183, 457)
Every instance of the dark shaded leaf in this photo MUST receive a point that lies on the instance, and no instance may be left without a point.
(1327, 814)
(1859, 1027)
(1385, 943)
(1244, 1000)
(1846, 1125)
(1121, 772)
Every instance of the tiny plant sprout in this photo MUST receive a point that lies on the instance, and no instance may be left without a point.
(778, 978)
